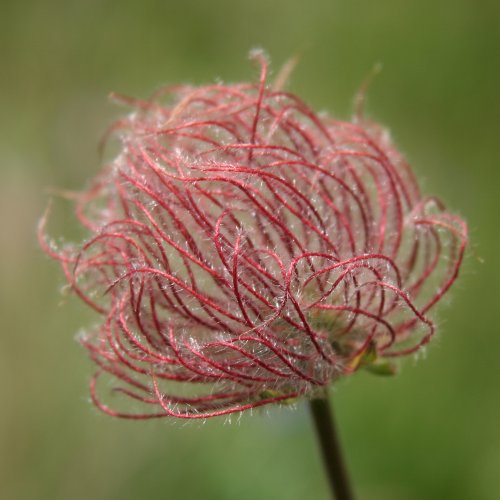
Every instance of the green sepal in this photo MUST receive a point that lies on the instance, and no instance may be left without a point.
(384, 368)
(368, 357)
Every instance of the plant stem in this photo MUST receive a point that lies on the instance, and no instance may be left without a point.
(330, 448)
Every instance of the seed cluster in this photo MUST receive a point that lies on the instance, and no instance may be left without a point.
(244, 250)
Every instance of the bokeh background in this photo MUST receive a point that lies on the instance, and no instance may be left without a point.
(432, 432)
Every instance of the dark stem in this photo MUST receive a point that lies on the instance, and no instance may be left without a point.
(330, 447)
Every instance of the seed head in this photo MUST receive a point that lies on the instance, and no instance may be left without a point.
(244, 250)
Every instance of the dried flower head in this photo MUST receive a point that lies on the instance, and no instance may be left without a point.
(244, 250)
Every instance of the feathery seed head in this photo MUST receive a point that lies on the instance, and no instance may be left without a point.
(243, 250)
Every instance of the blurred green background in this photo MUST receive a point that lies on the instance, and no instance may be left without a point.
(433, 432)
